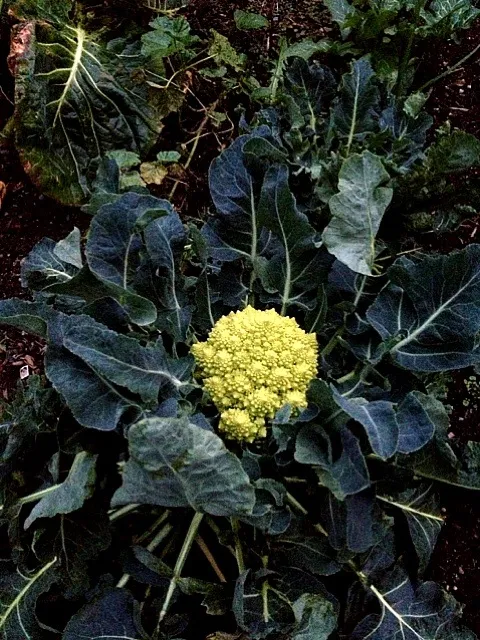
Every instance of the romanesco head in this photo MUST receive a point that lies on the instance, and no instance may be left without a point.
(253, 363)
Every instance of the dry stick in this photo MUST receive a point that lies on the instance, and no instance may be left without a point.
(177, 571)
(450, 70)
(209, 556)
(198, 135)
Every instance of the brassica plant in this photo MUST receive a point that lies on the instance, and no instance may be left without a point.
(301, 523)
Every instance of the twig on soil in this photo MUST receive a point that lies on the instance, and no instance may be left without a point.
(450, 70)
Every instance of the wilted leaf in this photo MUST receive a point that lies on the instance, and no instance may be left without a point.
(223, 52)
(153, 172)
(80, 98)
(456, 152)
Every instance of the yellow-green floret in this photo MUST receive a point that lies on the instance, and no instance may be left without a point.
(253, 363)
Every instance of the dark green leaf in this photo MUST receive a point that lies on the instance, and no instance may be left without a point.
(18, 601)
(165, 240)
(235, 232)
(340, 11)
(43, 267)
(111, 616)
(431, 311)
(297, 265)
(113, 245)
(29, 316)
(94, 401)
(316, 617)
(421, 508)
(425, 613)
(71, 494)
(444, 17)
(357, 211)
(77, 539)
(259, 608)
(378, 419)
(123, 360)
(174, 463)
(307, 552)
(417, 417)
(345, 475)
(353, 113)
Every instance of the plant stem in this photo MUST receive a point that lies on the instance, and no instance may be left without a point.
(408, 50)
(332, 343)
(123, 511)
(265, 585)
(33, 497)
(238, 545)
(299, 507)
(182, 557)
(217, 531)
(151, 530)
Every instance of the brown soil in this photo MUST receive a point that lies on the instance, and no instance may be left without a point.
(26, 217)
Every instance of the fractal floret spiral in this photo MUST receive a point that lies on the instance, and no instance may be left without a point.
(253, 363)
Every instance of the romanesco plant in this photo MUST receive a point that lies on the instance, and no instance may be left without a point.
(253, 363)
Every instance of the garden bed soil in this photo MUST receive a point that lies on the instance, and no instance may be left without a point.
(26, 217)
